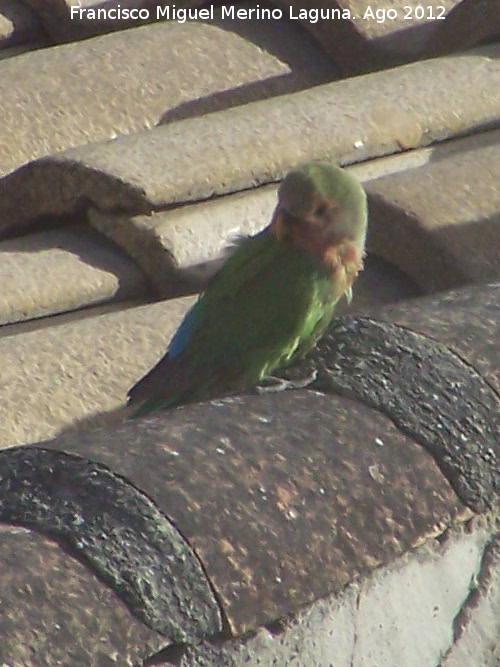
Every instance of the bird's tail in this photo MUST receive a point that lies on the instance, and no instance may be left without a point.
(152, 404)
(162, 387)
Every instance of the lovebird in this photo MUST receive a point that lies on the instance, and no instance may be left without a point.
(272, 299)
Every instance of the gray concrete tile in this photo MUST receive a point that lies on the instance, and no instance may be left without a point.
(71, 372)
(127, 82)
(181, 249)
(52, 377)
(440, 223)
(227, 151)
(364, 35)
(61, 270)
(84, 365)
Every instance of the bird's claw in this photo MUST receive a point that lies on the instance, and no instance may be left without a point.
(271, 384)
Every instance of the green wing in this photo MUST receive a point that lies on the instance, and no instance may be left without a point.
(266, 302)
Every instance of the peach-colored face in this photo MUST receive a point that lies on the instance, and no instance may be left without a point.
(325, 219)
(325, 230)
(320, 206)
(321, 224)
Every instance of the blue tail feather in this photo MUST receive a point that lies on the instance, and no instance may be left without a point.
(184, 333)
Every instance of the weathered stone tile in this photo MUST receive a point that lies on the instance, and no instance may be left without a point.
(465, 320)
(127, 82)
(61, 270)
(56, 611)
(56, 375)
(402, 615)
(366, 618)
(232, 150)
(477, 626)
(115, 530)
(246, 472)
(414, 603)
(468, 23)
(363, 35)
(440, 223)
(18, 24)
(425, 388)
(323, 633)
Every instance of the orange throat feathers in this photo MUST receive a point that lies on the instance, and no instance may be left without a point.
(342, 258)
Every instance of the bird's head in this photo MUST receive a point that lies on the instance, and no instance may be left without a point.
(321, 207)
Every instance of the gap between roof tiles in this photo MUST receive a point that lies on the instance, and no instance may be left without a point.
(59, 319)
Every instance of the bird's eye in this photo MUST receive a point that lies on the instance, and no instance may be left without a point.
(321, 210)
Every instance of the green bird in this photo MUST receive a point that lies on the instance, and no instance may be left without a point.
(272, 299)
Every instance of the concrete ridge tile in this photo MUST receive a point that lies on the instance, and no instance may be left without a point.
(249, 145)
(427, 390)
(401, 615)
(150, 566)
(240, 476)
(59, 612)
(373, 478)
(464, 320)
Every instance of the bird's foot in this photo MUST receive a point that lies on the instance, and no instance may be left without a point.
(271, 384)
